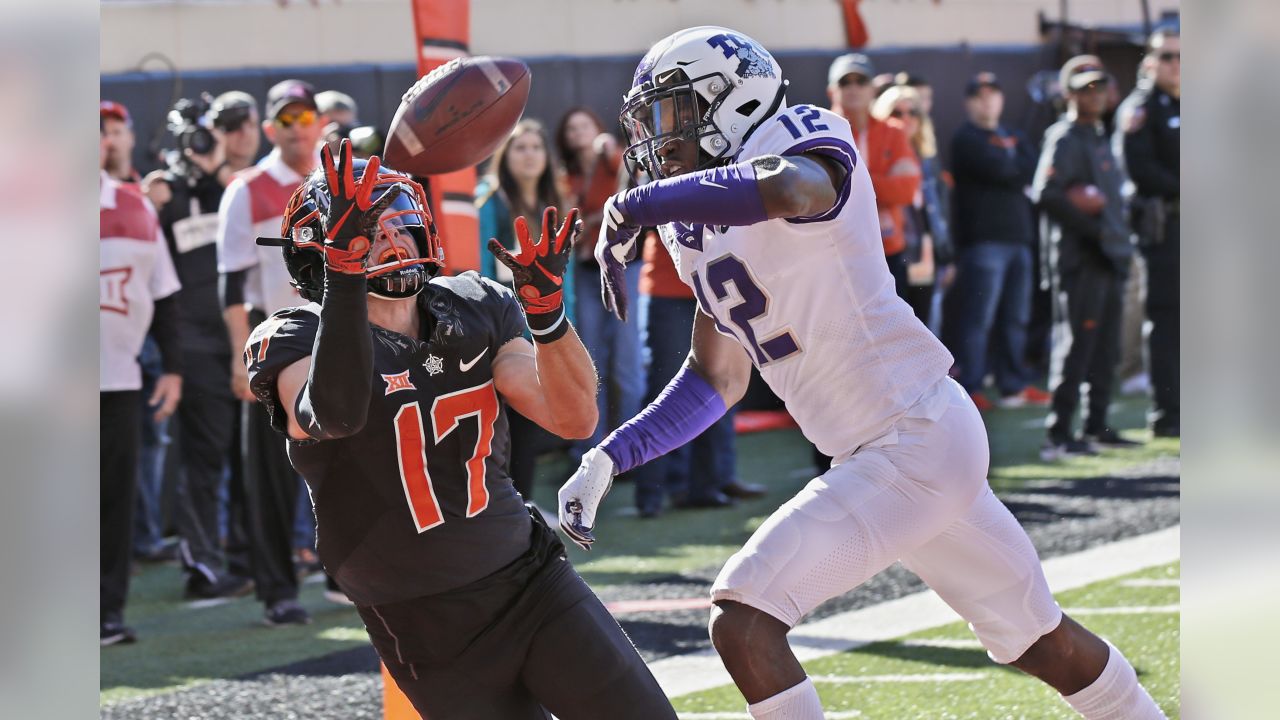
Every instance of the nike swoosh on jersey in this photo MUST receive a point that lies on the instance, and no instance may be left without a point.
(465, 366)
(711, 183)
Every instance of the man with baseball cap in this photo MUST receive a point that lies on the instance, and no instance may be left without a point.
(339, 107)
(187, 196)
(991, 302)
(884, 146)
(117, 133)
(1078, 185)
(1147, 139)
(255, 284)
(891, 162)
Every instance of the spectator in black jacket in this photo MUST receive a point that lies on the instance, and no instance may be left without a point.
(993, 232)
(187, 195)
(1148, 131)
(1078, 184)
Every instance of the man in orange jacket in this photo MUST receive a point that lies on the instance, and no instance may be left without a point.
(884, 147)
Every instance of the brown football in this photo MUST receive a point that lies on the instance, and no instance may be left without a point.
(456, 115)
(1088, 199)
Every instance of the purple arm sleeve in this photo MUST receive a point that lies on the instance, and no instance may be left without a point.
(686, 407)
(719, 196)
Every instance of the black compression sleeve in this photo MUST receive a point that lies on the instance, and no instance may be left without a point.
(164, 328)
(335, 401)
(232, 288)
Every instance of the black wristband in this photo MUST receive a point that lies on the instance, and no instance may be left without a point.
(165, 324)
(546, 329)
(231, 287)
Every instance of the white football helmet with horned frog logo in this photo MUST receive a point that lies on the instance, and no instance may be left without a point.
(708, 85)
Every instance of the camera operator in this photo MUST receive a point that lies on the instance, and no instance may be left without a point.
(216, 138)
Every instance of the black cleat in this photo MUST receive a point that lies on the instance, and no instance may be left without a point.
(115, 632)
(1061, 449)
(1110, 438)
(227, 586)
(743, 491)
(285, 612)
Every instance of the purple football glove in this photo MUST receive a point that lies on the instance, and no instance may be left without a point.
(617, 246)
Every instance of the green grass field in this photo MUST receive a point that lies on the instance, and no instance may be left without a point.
(181, 644)
(943, 673)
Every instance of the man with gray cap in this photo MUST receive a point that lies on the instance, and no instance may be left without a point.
(1078, 184)
(255, 283)
(339, 107)
(895, 172)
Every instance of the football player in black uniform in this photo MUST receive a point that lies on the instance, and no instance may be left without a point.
(391, 387)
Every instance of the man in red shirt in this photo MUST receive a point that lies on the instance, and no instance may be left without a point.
(884, 147)
(136, 283)
(117, 136)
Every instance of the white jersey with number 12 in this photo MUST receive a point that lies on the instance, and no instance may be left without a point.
(812, 300)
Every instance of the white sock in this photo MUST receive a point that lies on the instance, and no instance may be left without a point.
(1116, 694)
(795, 703)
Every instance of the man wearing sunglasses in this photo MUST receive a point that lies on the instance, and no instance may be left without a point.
(1147, 141)
(895, 173)
(1089, 252)
(256, 283)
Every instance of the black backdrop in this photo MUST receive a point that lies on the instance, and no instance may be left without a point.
(598, 82)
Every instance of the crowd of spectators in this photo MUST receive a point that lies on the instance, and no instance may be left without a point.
(962, 247)
(1094, 202)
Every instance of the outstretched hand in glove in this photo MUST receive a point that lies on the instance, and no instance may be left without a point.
(538, 271)
(351, 221)
(617, 245)
(580, 496)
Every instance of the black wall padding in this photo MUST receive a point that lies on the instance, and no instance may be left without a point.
(597, 82)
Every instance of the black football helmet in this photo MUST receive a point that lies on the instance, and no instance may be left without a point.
(302, 236)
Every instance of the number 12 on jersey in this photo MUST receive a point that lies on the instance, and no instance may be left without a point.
(480, 402)
(728, 272)
(808, 116)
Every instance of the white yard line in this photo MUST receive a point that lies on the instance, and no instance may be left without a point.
(1153, 582)
(207, 603)
(946, 643)
(1124, 610)
(901, 678)
(828, 715)
(693, 672)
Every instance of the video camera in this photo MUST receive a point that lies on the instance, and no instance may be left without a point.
(188, 122)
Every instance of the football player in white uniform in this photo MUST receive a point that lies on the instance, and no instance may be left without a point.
(769, 214)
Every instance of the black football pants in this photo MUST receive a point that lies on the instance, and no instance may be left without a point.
(530, 636)
(271, 497)
(206, 419)
(120, 423)
(1163, 267)
(1086, 345)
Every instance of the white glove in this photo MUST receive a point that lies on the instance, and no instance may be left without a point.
(581, 494)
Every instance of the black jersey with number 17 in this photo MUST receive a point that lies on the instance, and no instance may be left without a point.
(418, 501)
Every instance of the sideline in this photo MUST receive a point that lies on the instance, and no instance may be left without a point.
(697, 671)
